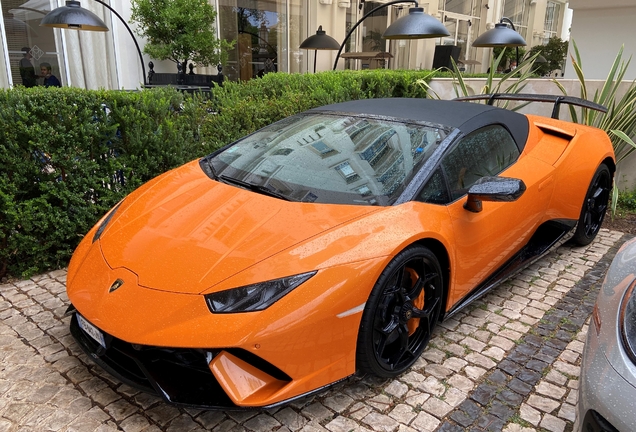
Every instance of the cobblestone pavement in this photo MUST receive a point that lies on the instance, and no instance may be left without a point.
(510, 362)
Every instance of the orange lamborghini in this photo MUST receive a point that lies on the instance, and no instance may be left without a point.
(330, 242)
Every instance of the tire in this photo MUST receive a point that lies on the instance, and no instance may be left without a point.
(594, 207)
(401, 313)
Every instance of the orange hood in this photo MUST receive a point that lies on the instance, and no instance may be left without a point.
(184, 232)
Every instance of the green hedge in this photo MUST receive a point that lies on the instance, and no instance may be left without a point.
(68, 155)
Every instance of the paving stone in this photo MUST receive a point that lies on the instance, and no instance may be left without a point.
(380, 422)
(497, 377)
(542, 403)
(552, 423)
(338, 402)
(403, 413)
(359, 410)
(210, 419)
(396, 389)
(529, 414)
(425, 422)
(455, 364)
(134, 423)
(343, 424)
(509, 367)
(547, 389)
(480, 360)
(433, 386)
(317, 411)
(434, 355)
(473, 344)
(416, 398)
(461, 383)
(556, 377)
(437, 407)
(449, 427)
(500, 410)
(261, 422)
(484, 393)
(474, 372)
(519, 386)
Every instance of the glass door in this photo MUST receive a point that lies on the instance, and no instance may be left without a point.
(461, 36)
(32, 51)
(267, 34)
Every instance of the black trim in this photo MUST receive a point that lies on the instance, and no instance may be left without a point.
(554, 132)
(550, 234)
(180, 376)
(411, 191)
(594, 422)
(557, 100)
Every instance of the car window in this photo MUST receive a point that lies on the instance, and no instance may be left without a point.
(334, 159)
(435, 190)
(485, 152)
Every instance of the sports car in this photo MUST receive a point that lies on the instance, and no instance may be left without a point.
(328, 243)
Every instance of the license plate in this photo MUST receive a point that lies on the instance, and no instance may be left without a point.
(91, 330)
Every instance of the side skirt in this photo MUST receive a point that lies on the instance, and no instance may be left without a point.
(549, 235)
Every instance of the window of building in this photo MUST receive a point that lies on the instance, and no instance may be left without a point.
(551, 22)
(347, 172)
(517, 12)
(461, 18)
(267, 34)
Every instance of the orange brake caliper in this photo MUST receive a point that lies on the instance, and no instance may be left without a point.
(418, 302)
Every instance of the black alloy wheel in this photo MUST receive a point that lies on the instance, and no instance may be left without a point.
(401, 313)
(594, 207)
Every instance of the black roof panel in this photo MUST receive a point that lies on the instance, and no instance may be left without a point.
(464, 116)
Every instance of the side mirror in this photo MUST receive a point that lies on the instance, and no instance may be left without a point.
(499, 189)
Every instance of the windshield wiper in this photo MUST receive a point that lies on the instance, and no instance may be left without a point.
(255, 188)
(208, 168)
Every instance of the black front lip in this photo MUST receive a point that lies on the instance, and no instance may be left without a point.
(179, 376)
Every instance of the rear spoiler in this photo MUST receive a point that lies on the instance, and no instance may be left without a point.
(556, 100)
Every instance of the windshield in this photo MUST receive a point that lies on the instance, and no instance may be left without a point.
(328, 158)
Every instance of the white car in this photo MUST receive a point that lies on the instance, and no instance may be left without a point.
(607, 387)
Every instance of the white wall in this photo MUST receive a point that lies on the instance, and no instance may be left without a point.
(599, 28)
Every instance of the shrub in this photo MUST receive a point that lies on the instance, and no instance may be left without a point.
(67, 155)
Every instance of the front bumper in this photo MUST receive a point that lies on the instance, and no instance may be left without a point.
(171, 345)
(605, 398)
(180, 376)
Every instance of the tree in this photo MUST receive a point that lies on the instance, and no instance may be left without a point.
(554, 52)
(180, 31)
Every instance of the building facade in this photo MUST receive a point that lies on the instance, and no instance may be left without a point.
(268, 34)
(600, 29)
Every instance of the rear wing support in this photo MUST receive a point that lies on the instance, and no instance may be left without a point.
(556, 100)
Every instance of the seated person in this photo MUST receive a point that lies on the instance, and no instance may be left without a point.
(50, 80)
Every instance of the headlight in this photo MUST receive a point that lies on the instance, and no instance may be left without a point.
(627, 320)
(254, 297)
(105, 221)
